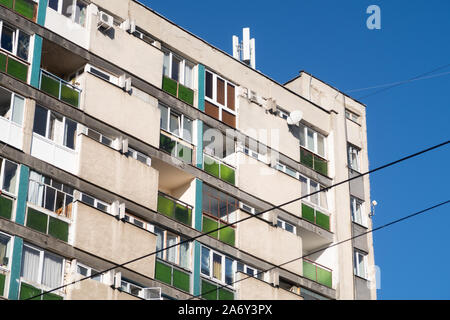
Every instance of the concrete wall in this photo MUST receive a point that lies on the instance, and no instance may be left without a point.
(104, 236)
(274, 245)
(116, 107)
(110, 169)
(255, 289)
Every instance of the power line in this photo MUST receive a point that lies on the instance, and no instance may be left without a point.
(333, 245)
(247, 218)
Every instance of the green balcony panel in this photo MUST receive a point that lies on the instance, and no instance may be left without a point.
(50, 296)
(70, 95)
(209, 225)
(170, 86)
(308, 213)
(320, 166)
(18, 70)
(184, 153)
(2, 284)
(166, 144)
(3, 59)
(6, 208)
(58, 229)
(324, 277)
(225, 294)
(211, 166)
(227, 235)
(183, 214)
(227, 173)
(27, 291)
(50, 85)
(181, 280)
(322, 220)
(7, 3)
(163, 272)
(209, 291)
(166, 206)
(37, 220)
(25, 8)
(309, 270)
(186, 94)
(306, 158)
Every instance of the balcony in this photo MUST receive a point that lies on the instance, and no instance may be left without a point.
(178, 90)
(174, 209)
(59, 88)
(27, 291)
(313, 161)
(6, 205)
(26, 8)
(57, 227)
(317, 273)
(11, 133)
(315, 216)
(227, 235)
(255, 289)
(212, 291)
(14, 66)
(173, 276)
(176, 147)
(219, 169)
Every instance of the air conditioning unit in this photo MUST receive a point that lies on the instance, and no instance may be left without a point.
(125, 83)
(271, 105)
(105, 21)
(152, 293)
(247, 208)
(129, 25)
(253, 97)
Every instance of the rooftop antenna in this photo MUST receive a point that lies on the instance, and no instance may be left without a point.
(245, 51)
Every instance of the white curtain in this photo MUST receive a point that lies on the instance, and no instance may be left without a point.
(172, 252)
(184, 255)
(35, 189)
(30, 264)
(52, 271)
(17, 116)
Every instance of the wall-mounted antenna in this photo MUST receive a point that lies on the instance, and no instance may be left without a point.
(245, 51)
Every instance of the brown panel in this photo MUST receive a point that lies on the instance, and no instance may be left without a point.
(220, 91)
(211, 110)
(229, 119)
(230, 96)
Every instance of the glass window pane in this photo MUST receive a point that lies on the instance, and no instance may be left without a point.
(68, 206)
(4, 254)
(217, 266)
(172, 252)
(101, 206)
(164, 117)
(321, 145)
(220, 91)
(53, 4)
(94, 135)
(18, 107)
(60, 201)
(7, 38)
(323, 200)
(52, 271)
(188, 74)
(80, 13)
(187, 129)
(166, 64)
(214, 208)
(56, 129)
(184, 255)
(205, 268)
(70, 134)
(208, 85)
(174, 124)
(30, 264)
(302, 135)
(5, 103)
(97, 277)
(67, 8)
(50, 196)
(159, 242)
(289, 227)
(176, 68)
(304, 185)
(82, 270)
(88, 200)
(310, 139)
(10, 176)
(23, 45)
(229, 271)
(315, 197)
(40, 121)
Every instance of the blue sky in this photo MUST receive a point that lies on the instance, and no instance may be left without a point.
(330, 40)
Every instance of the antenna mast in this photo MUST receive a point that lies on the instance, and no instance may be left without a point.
(245, 51)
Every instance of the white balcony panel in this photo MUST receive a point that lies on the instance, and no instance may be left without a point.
(11, 133)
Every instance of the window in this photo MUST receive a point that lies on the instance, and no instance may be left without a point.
(219, 204)
(288, 170)
(179, 255)
(254, 272)
(8, 176)
(55, 127)
(41, 267)
(219, 145)
(175, 123)
(309, 186)
(50, 194)
(102, 74)
(356, 207)
(351, 116)
(99, 137)
(139, 156)
(143, 35)
(95, 203)
(137, 222)
(251, 152)
(11, 106)
(220, 99)
(311, 140)
(133, 288)
(217, 266)
(5, 250)
(73, 9)
(360, 260)
(15, 41)
(88, 271)
(286, 226)
(178, 68)
(353, 157)
(283, 113)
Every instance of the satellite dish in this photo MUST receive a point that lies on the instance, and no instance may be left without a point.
(295, 117)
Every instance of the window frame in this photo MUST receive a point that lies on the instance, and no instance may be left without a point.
(281, 223)
(101, 137)
(316, 135)
(208, 213)
(96, 203)
(15, 41)
(9, 251)
(183, 63)
(2, 177)
(89, 272)
(223, 270)
(136, 154)
(73, 13)
(350, 149)
(258, 274)
(214, 101)
(308, 191)
(181, 131)
(357, 271)
(163, 255)
(12, 107)
(354, 202)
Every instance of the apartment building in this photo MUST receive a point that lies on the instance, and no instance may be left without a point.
(122, 134)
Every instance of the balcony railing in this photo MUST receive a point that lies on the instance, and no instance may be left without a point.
(316, 217)
(317, 273)
(174, 209)
(211, 291)
(6, 205)
(313, 161)
(175, 148)
(2, 284)
(26, 8)
(218, 169)
(227, 235)
(59, 88)
(178, 90)
(172, 275)
(13, 66)
(27, 291)
(47, 224)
